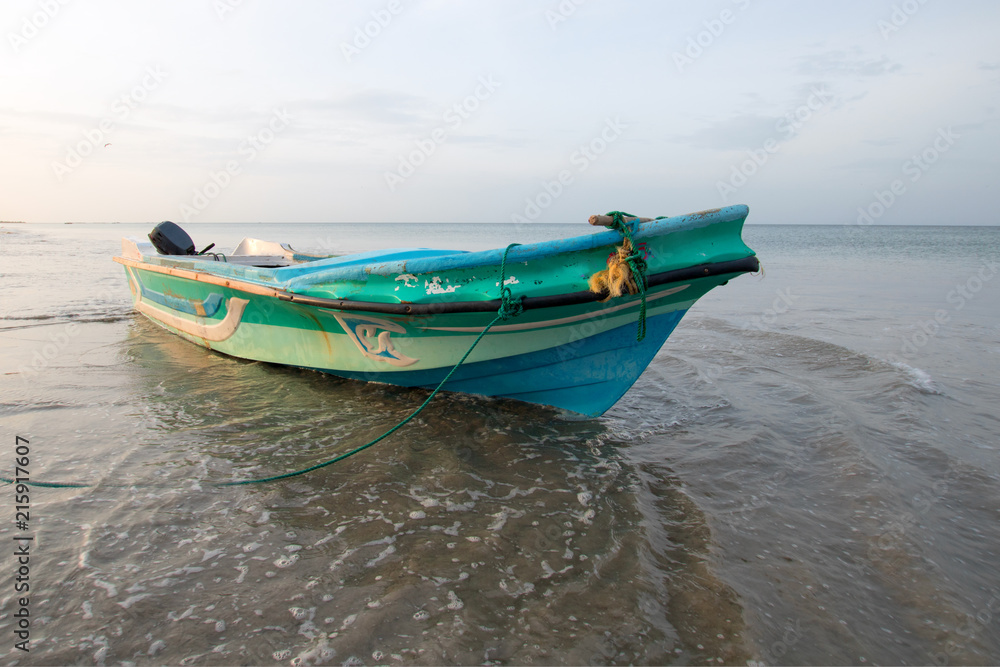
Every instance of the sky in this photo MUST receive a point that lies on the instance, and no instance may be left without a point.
(853, 112)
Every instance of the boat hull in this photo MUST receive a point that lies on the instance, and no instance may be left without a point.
(568, 350)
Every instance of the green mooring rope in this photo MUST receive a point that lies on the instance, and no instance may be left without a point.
(636, 262)
(509, 307)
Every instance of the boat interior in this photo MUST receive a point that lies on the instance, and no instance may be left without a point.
(169, 241)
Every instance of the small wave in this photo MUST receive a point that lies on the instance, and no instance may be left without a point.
(919, 379)
(32, 317)
(821, 354)
(91, 316)
(50, 320)
(26, 407)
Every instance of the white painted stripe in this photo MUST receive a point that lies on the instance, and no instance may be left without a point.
(562, 320)
(210, 332)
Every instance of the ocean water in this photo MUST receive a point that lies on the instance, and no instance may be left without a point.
(808, 473)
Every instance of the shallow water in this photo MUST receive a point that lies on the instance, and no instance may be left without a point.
(807, 473)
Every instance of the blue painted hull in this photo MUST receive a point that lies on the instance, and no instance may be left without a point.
(587, 376)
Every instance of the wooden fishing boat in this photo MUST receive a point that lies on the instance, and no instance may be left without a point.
(407, 316)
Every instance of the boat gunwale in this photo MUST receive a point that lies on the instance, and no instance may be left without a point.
(302, 277)
(522, 252)
(735, 267)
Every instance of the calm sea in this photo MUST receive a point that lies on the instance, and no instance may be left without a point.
(808, 472)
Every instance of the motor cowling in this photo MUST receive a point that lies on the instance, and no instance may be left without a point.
(169, 239)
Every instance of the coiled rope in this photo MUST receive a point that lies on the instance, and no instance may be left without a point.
(626, 272)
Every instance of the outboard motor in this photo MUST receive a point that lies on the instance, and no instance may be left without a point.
(170, 239)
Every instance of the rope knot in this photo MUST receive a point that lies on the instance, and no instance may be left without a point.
(509, 306)
(626, 272)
